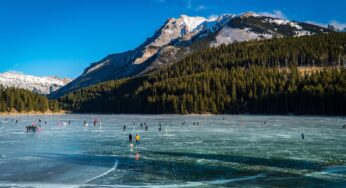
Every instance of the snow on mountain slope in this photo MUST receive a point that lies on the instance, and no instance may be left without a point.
(178, 37)
(41, 85)
(251, 26)
(230, 35)
(192, 23)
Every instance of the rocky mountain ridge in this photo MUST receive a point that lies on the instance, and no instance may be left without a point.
(181, 36)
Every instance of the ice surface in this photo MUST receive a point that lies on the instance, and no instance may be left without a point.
(221, 151)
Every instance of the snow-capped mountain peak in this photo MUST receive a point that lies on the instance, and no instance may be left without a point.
(175, 28)
(41, 85)
(178, 37)
(191, 23)
(183, 28)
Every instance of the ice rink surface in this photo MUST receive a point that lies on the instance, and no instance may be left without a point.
(190, 151)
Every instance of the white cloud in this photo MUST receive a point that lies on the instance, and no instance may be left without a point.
(190, 5)
(274, 14)
(200, 7)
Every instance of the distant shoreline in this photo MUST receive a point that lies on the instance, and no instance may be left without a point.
(33, 113)
(192, 114)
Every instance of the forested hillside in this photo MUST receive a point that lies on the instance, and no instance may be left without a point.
(21, 100)
(179, 37)
(248, 77)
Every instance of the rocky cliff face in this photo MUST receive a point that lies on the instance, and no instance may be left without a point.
(179, 37)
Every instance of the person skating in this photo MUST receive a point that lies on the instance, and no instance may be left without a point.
(138, 138)
(130, 138)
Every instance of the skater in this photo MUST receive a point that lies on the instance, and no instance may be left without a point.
(130, 138)
(137, 139)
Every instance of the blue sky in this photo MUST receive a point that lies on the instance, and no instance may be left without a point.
(62, 37)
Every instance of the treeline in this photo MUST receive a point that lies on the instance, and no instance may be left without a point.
(249, 77)
(21, 100)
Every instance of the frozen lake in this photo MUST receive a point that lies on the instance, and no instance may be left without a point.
(221, 151)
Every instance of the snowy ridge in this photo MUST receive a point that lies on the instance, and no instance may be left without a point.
(185, 28)
(192, 22)
(41, 85)
(178, 37)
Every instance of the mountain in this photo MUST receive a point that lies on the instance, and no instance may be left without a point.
(299, 75)
(40, 85)
(181, 36)
(332, 27)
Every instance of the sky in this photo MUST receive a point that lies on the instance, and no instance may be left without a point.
(63, 37)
